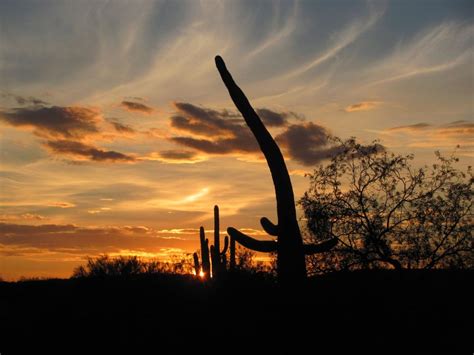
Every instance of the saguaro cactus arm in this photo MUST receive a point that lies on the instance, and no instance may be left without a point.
(264, 246)
(226, 246)
(327, 245)
(269, 227)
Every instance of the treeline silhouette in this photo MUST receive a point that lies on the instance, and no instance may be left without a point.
(124, 266)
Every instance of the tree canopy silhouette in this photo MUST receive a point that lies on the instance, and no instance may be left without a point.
(385, 212)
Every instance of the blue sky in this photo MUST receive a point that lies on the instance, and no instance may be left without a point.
(113, 119)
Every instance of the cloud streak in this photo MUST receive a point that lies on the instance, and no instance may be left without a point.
(72, 239)
(424, 135)
(123, 128)
(81, 151)
(362, 106)
(436, 49)
(133, 106)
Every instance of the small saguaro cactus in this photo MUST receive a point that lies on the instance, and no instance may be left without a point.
(218, 258)
(291, 251)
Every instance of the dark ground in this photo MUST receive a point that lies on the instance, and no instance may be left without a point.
(364, 312)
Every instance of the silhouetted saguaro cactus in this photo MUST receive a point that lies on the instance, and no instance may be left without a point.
(205, 266)
(219, 260)
(289, 246)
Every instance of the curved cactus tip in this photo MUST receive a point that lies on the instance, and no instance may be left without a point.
(218, 59)
(269, 227)
(226, 245)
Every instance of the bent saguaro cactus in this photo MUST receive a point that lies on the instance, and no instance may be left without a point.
(288, 245)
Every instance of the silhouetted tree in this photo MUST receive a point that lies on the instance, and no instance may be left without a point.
(387, 213)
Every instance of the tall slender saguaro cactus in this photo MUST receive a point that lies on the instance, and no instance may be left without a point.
(219, 260)
(291, 251)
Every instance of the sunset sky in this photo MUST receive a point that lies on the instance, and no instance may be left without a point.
(117, 135)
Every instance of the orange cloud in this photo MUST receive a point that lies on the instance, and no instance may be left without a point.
(175, 156)
(62, 204)
(22, 217)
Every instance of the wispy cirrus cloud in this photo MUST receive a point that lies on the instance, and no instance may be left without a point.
(433, 50)
(411, 128)
(344, 37)
(425, 135)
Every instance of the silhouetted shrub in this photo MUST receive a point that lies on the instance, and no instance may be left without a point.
(105, 266)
